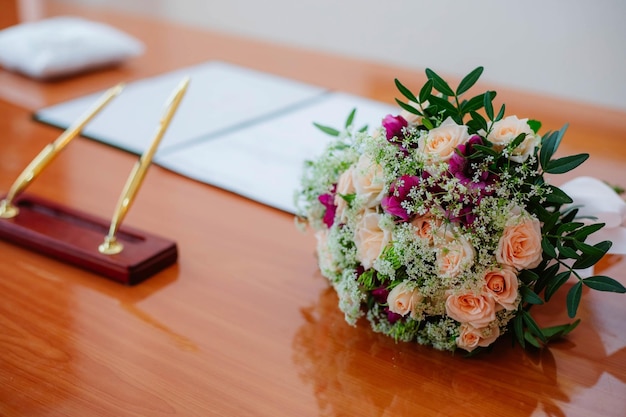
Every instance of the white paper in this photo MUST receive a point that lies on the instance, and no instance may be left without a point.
(242, 130)
(265, 161)
(220, 97)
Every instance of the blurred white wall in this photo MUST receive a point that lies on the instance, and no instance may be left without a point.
(574, 49)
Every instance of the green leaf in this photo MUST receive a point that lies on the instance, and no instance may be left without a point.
(531, 339)
(557, 196)
(469, 80)
(568, 227)
(500, 114)
(439, 83)
(556, 283)
(527, 276)
(583, 232)
(566, 252)
(487, 102)
(573, 299)
(476, 103)
(535, 125)
(545, 276)
(517, 141)
(603, 283)
(408, 107)
(590, 254)
(350, 118)
(405, 91)
(550, 222)
(486, 149)
(548, 247)
(480, 121)
(328, 130)
(549, 145)
(528, 296)
(533, 326)
(565, 164)
(555, 332)
(442, 104)
(425, 91)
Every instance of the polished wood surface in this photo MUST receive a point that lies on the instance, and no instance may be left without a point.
(244, 324)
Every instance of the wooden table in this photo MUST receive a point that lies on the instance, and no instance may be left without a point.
(244, 324)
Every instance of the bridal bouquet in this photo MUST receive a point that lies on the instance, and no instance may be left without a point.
(440, 227)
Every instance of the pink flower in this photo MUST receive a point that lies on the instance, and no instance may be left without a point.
(393, 126)
(398, 194)
(328, 200)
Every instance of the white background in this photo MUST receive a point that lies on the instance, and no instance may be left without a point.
(573, 49)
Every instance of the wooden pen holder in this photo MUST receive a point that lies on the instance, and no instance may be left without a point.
(73, 237)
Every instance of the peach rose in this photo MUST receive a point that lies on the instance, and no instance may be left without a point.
(402, 299)
(369, 238)
(520, 243)
(424, 226)
(505, 130)
(454, 256)
(471, 337)
(367, 177)
(477, 310)
(345, 186)
(439, 144)
(502, 285)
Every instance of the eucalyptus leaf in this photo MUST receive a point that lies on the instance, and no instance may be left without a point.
(568, 227)
(350, 118)
(604, 283)
(476, 103)
(425, 91)
(439, 83)
(573, 299)
(405, 91)
(535, 125)
(480, 120)
(533, 326)
(556, 283)
(585, 231)
(326, 129)
(408, 108)
(548, 247)
(561, 330)
(500, 114)
(442, 104)
(590, 254)
(487, 102)
(531, 339)
(469, 80)
(565, 164)
(528, 296)
(557, 196)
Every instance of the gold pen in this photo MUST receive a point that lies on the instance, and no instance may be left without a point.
(48, 153)
(111, 246)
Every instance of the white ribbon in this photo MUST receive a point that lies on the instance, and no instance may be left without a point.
(602, 202)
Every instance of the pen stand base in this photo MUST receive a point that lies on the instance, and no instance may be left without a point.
(73, 237)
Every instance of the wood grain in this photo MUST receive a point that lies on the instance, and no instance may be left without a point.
(244, 324)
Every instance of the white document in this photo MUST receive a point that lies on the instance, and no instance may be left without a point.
(220, 97)
(264, 162)
(242, 130)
